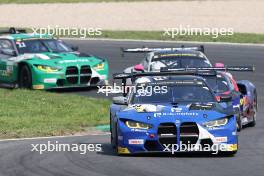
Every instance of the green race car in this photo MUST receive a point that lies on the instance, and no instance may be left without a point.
(37, 61)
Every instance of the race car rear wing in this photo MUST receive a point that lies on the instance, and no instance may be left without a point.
(12, 30)
(147, 50)
(228, 68)
(134, 76)
(182, 71)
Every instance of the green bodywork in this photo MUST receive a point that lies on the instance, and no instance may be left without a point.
(50, 69)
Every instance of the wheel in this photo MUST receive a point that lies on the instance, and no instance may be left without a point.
(116, 139)
(111, 131)
(25, 78)
(239, 123)
(256, 101)
(253, 123)
(229, 154)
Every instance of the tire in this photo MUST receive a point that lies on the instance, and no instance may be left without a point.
(239, 123)
(116, 140)
(25, 78)
(253, 123)
(229, 154)
(256, 102)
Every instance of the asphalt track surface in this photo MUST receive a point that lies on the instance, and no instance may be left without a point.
(16, 158)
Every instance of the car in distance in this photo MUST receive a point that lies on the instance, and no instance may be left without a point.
(37, 61)
(186, 113)
(243, 93)
(157, 58)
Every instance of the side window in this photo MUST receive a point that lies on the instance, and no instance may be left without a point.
(6, 48)
(145, 63)
(231, 83)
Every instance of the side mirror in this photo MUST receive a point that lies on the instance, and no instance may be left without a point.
(8, 52)
(225, 98)
(120, 100)
(219, 65)
(139, 67)
(75, 48)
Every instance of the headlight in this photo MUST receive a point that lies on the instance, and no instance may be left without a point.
(216, 123)
(99, 66)
(139, 125)
(48, 69)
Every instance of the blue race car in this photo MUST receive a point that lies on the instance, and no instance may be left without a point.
(243, 93)
(171, 112)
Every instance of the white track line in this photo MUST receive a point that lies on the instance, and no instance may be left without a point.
(54, 137)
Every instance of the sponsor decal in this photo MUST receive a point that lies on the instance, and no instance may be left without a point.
(193, 114)
(135, 141)
(221, 139)
(74, 61)
(122, 150)
(139, 130)
(38, 86)
(50, 80)
(176, 109)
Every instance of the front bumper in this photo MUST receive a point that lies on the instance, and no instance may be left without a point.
(185, 137)
(72, 77)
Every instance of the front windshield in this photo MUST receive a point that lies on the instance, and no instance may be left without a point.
(184, 62)
(218, 84)
(41, 45)
(172, 94)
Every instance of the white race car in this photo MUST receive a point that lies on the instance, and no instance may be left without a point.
(157, 58)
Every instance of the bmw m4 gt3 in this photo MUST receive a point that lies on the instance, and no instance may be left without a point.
(41, 62)
(165, 110)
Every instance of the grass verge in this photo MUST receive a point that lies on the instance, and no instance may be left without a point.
(25, 113)
(158, 35)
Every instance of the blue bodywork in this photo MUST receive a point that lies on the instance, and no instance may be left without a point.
(172, 123)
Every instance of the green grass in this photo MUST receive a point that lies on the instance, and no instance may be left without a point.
(26, 113)
(158, 35)
(66, 1)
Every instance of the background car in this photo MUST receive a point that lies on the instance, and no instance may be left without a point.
(243, 93)
(157, 58)
(41, 62)
(249, 102)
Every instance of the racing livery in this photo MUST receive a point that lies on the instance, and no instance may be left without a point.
(243, 93)
(249, 102)
(42, 62)
(157, 58)
(186, 112)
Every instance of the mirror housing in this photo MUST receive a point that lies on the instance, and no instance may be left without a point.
(225, 99)
(219, 65)
(139, 67)
(75, 48)
(8, 52)
(120, 100)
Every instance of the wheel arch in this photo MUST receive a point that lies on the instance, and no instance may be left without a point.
(19, 67)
